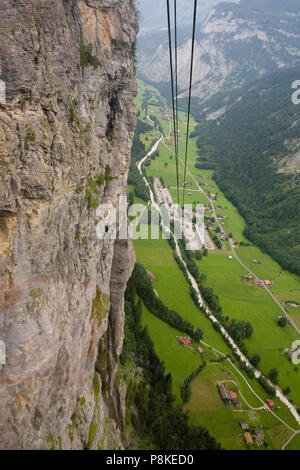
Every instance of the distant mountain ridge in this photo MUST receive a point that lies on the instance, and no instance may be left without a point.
(237, 44)
(153, 12)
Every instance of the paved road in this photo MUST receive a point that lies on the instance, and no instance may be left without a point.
(163, 195)
(224, 332)
(264, 286)
(201, 190)
(252, 390)
(289, 440)
(235, 254)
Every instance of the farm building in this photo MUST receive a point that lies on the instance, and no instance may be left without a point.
(256, 282)
(244, 425)
(200, 350)
(248, 438)
(259, 437)
(150, 275)
(268, 283)
(225, 393)
(270, 402)
(234, 397)
(185, 341)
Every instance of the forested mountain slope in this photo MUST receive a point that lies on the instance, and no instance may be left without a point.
(254, 147)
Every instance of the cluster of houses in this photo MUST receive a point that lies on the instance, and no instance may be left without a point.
(256, 281)
(229, 397)
(258, 435)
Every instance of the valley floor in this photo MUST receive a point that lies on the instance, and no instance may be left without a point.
(239, 298)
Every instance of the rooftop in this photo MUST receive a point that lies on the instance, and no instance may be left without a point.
(248, 438)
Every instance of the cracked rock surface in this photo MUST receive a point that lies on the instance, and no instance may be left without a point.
(65, 139)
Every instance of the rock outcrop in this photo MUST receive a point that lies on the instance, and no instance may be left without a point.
(65, 141)
(236, 45)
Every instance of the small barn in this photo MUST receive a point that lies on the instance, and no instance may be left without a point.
(234, 397)
(225, 393)
(270, 402)
(248, 438)
(150, 275)
(184, 340)
(259, 437)
(244, 425)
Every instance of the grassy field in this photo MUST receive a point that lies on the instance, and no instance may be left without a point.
(239, 300)
(294, 444)
(172, 288)
(243, 301)
(222, 420)
(205, 406)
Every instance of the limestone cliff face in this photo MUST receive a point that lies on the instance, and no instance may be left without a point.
(65, 140)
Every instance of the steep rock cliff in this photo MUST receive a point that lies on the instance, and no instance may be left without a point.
(65, 134)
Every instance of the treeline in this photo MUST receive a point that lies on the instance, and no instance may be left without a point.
(140, 283)
(154, 414)
(238, 330)
(156, 122)
(185, 389)
(138, 151)
(248, 153)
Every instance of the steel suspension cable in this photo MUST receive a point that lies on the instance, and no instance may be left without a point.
(190, 94)
(172, 90)
(176, 95)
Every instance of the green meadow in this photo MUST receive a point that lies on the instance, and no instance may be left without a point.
(294, 444)
(205, 407)
(239, 299)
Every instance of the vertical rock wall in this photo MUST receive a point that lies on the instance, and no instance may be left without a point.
(65, 138)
